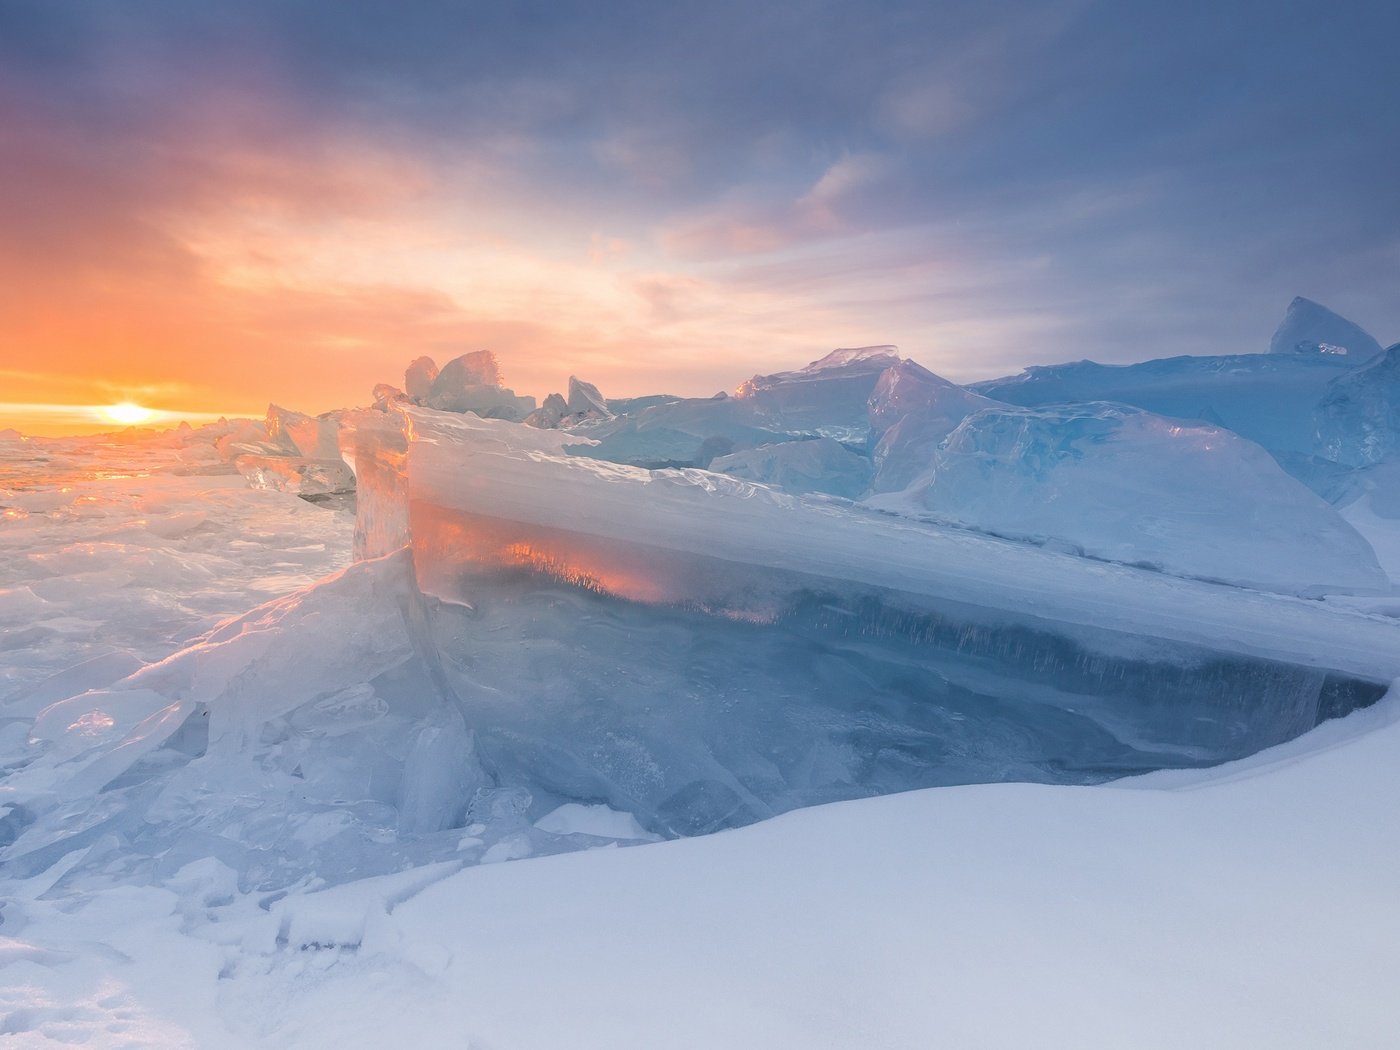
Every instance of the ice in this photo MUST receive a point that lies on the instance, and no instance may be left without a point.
(584, 404)
(374, 443)
(472, 383)
(828, 396)
(911, 411)
(1130, 486)
(297, 474)
(247, 437)
(311, 437)
(550, 414)
(686, 432)
(585, 401)
(599, 821)
(1311, 328)
(566, 631)
(819, 465)
(513, 474)
(419, 377)
(1358, 419)
(1267, 398)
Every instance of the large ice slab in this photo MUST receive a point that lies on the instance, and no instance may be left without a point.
(1358, 419)
(658, 535)
(1134, 487)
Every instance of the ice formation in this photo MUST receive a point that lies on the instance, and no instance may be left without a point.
(1358, 420)
(911, 412)
(828, 396)
(1311, 328)
(819, 465)
(1131, 486)
(1268, 398)
(649, 618)
(472, 383)
(584, 404)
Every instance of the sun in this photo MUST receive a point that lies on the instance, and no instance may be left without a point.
(127, 412)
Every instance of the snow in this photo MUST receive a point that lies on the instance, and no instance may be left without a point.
(1193, 500)
(1176, 909)
(1311, 328)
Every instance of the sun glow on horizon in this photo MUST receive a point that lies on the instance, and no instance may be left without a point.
(128, 413)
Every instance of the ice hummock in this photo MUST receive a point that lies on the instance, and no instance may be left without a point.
(1131, 486)
(1311, 328)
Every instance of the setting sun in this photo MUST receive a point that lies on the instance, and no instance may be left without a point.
(127, 413)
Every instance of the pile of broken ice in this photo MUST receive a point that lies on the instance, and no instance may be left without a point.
(848, 579)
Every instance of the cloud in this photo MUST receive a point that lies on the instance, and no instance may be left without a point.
(224, 203)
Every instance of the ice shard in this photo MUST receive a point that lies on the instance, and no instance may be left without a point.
(1311, 328)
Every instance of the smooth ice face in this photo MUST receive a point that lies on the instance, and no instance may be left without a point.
(311, 437)
(1311, 328)
(1358, 419)
(1134, 487)
(819, 465)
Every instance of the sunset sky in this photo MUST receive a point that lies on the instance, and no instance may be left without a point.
(207, 206)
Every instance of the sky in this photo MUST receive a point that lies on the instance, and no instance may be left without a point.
(204, 207)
